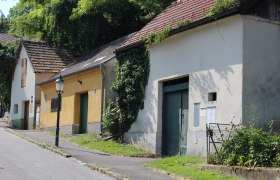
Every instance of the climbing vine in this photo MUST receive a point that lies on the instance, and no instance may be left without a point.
(183, 23)
(156, 38)
(222, 5)
(131, 81)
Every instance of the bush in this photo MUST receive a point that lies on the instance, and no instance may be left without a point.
(111, 118)
(251, 147)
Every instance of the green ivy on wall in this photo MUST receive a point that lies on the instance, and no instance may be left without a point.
(132, 78)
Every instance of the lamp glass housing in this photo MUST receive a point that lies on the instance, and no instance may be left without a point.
(59, 85)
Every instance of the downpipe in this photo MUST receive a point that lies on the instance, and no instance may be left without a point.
(102, 99)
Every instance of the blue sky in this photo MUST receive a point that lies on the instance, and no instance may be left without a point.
(5, 5)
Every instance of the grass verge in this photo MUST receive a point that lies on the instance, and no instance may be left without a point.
(112, 147)
(187, 167)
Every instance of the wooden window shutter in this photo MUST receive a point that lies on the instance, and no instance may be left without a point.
(23, 72)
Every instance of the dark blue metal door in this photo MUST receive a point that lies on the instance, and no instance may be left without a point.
(175, 119)
(83, 113)
(171, 123)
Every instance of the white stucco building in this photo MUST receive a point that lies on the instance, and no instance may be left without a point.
(36, 62)
(220, 69)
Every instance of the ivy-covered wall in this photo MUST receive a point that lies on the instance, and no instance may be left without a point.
(131, 80)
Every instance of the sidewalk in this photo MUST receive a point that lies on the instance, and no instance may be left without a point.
(124, 167)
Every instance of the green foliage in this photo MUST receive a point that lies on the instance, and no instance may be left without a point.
(157, 38)
(7, 57)
(183, 23)
(27, 19)
(81, 25)
(112, 147)
(110, 119)
(250, 147)
(132, 78)
(187, 167)
(151, 8)
(222, 5)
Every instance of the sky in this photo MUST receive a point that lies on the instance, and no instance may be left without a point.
(5, 5)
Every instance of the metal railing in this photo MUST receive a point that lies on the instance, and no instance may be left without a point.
(216, 133)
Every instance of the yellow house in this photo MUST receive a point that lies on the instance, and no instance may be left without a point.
(86, 90)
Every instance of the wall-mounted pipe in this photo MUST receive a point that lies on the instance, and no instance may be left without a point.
(102, 98)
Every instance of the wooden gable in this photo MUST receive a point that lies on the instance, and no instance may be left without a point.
(268, 9)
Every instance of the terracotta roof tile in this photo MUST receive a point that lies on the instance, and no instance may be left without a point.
(7, 37)
(46, 58)
(179, 11)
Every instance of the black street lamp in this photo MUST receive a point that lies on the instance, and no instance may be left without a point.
(59, 90)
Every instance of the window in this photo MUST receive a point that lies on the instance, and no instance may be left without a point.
(15, 108)
(23, 72)
(196, 114)
(54, 105)
(212, 96)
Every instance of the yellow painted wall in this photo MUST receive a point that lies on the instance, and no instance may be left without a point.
(70, 109)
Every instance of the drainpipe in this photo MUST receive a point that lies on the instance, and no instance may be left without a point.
(102, 98)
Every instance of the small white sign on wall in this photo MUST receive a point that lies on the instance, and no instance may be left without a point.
(211, 115)
(203, 112)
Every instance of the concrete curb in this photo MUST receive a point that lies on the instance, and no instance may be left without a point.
(40, 144)
(99, 169)
(67, 155)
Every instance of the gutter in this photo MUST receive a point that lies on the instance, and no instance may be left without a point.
(102, 98)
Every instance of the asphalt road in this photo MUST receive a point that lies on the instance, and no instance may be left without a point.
(22, 160)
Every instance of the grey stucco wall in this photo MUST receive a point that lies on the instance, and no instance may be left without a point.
(261, 83)
(110, 78)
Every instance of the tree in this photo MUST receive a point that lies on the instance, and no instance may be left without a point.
(7, 57)
(4, 23)
(151, 8)
(81, 25)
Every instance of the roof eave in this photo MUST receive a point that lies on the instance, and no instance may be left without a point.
(73, 73)
(206, 20)
(203, 21)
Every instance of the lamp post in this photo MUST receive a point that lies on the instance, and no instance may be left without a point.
(59, 90)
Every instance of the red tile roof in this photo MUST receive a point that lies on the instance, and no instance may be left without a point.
(179, 11)
(46, 58)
